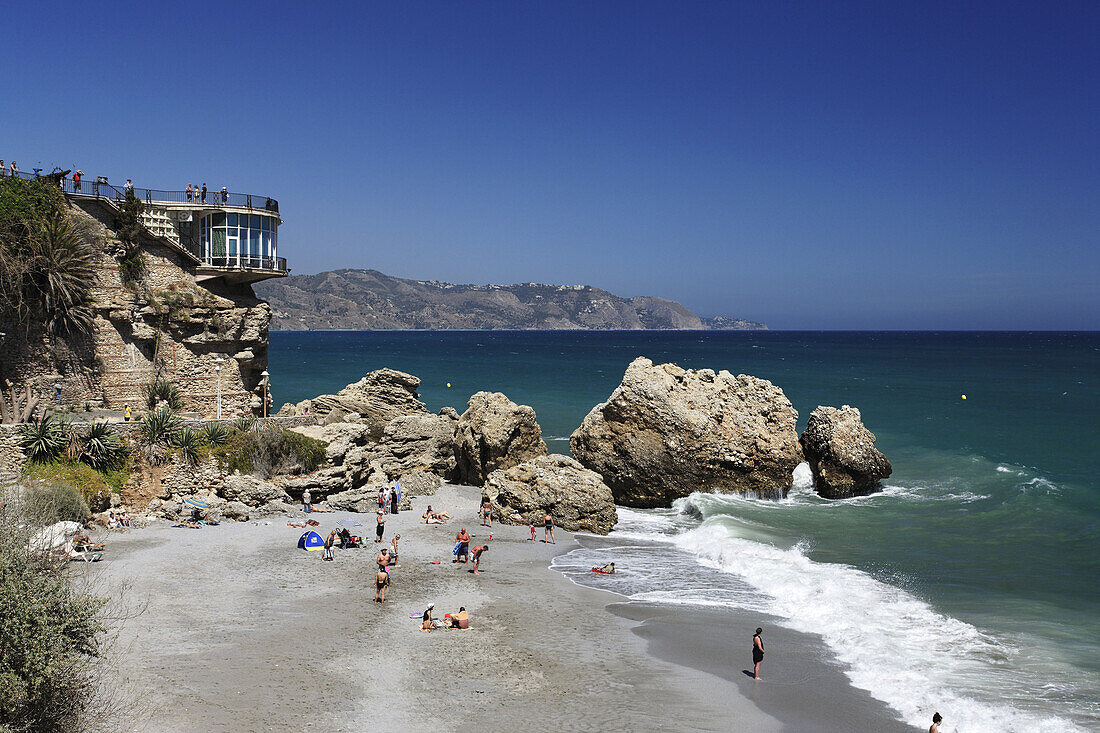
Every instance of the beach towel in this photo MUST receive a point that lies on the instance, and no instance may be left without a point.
(456, 548)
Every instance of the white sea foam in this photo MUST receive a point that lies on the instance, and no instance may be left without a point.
(893, 644)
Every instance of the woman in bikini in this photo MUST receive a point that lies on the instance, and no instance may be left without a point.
(486, 512)
(548, 528)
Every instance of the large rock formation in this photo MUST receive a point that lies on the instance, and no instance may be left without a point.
(666, 432)
(492, 434)
(378, 397)
(575, 497)
(417, 443)
(842, 454)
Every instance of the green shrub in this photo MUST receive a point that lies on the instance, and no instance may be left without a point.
(50, 637)
(132, 265)
(269, 451)
(100, 447)
(56, 496)
(162, 391)
(214, 434)
(92, 487)
(187, 444)
(244, 423)
(43, 439)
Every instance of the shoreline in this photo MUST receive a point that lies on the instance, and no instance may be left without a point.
(245, 632)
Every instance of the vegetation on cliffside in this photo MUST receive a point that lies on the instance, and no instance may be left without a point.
(47, 263)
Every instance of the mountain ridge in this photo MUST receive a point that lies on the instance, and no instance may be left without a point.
(364, 300)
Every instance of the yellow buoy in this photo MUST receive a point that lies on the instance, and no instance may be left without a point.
(964, 397)
(449, 384)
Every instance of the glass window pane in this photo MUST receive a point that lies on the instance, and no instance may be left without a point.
(217, 248)
(265, 223)
(254, 221)
(219, 219)
(232, 220)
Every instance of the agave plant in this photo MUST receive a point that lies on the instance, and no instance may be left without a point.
(187, 443)
(100, 446)
(62, 271)
(43, 439)
(214, 434)
(162, 391)
(159, 427)
(244, 423)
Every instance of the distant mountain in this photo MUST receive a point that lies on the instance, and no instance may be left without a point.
(367, 300)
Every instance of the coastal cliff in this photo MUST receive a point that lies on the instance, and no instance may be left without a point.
(368, 300)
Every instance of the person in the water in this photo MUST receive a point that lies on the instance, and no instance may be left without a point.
(936, 720)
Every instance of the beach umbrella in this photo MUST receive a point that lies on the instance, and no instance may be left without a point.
(196, 503)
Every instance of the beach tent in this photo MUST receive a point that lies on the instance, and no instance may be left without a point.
(311, 541)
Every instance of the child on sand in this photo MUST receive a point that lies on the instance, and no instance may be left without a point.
(532, 533)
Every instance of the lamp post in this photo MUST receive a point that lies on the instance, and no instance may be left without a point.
(218, 372)
(267, 383)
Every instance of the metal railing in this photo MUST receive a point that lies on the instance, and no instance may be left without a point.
(239, 262)
(99, 188)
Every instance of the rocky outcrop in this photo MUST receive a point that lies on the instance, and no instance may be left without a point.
(842, 454)
(251, 491)
(417, 483)
(362, 499)
(379, 397)
(666, 432)
(492, 434)
(417, 443)
(575, 497)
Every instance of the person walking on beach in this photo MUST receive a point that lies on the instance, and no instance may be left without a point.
(381, 526)
(381, 580)
(393, 555)
(307, 506)
(486, 511)
(548, 528)
(757, 653)
(936, 720)
(329, 541)
(393, 501)
(383, 560)
(478, 549)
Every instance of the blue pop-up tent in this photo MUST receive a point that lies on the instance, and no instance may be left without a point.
(311, 541)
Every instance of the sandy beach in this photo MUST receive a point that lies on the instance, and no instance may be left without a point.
(242, 631)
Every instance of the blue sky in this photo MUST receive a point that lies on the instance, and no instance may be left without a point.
(812, 165)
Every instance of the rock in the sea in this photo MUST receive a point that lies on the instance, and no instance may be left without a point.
(495, 433)
(575, 497)
(666, 432)
(842, 453)
(378, 397)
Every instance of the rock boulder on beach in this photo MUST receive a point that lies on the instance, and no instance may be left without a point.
(492, 434)
(378, 397)
(666, 432)
(575, 497)
(250, 491)
(842, 454)
(417, 443)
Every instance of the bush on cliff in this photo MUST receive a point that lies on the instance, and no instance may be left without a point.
(50, 497)
(269, 451)
(47, 262)
(50, 637)
(94, 488)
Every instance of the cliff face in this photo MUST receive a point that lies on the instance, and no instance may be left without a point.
(165, 324)
(369, 300)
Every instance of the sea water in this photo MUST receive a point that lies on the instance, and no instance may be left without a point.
(968, 585)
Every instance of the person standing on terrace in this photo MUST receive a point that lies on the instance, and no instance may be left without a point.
(204, 192)
(4, 172)
(190, 193)
(14, 168)
(76, 181)
(225, 195)
(129, 186)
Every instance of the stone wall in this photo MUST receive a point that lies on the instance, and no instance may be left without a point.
(11, 457)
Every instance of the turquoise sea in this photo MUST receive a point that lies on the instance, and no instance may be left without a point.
(970, 584)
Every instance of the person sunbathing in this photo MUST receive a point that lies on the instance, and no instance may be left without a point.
(460, 620)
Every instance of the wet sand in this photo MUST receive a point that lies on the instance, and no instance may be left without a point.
(242, 631)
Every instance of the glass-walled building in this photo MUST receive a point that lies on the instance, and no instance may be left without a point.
(239, 240)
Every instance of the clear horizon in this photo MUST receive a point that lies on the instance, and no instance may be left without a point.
(845, 167)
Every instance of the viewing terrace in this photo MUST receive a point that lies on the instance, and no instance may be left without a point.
(227, 235)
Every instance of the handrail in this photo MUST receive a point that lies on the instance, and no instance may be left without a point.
(94, 188)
